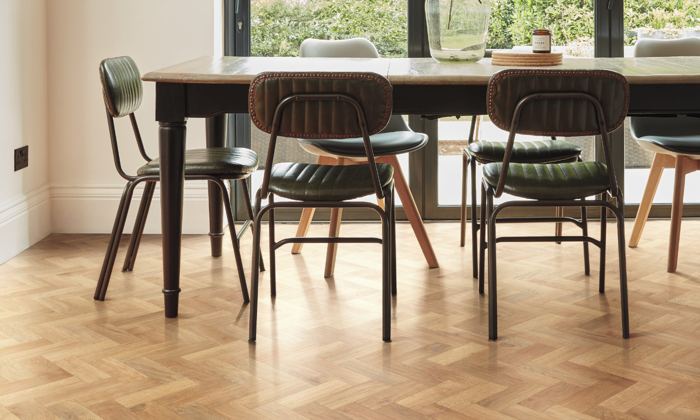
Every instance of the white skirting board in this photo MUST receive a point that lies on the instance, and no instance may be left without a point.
(24, 221)
(92, 208)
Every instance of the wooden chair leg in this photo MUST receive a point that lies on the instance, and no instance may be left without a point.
(334, 231)
(660, 162)
(683, 166)
(409, 206)
(308, 214)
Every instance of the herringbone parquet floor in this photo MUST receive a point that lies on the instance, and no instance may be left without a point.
(319, 353)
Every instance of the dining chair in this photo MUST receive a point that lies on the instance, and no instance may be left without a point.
(554, 103)
(123, 93)
(484, 152)
(675, 143)
(395, 139)
(341, 106)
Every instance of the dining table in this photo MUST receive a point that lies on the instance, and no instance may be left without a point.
(213, 86)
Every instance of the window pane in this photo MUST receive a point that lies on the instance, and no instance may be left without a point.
(569, 21)
(278, 27)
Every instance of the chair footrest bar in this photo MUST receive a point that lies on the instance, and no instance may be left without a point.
(549, 239)
(245, 227)
(540, 220)
(327, 240)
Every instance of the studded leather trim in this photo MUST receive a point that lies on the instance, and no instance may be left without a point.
(506, 88)
(337, 121)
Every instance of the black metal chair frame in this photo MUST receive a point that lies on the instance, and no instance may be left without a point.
(140, 223)
(487, 208)
(469, 161)
(386, 215)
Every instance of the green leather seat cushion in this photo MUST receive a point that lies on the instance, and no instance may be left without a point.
(540, 151)
(224, 162)
(552, 181)
(310, 182)
(383, 144)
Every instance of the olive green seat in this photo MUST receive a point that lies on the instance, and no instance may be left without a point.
(310, 182)
(484, 152)
(539, 151)
(557, 103)
(222, 162)
(556, 181)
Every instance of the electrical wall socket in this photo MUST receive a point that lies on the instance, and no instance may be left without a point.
(21, 158)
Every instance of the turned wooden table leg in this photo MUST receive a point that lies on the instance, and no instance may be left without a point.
(172, 138)
(216, 137)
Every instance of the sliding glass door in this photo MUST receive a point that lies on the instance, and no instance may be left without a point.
(580, 28)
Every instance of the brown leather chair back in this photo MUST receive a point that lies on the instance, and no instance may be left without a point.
(121, 85)
(320, 119)
(557, 117)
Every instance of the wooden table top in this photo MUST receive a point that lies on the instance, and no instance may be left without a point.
(417, 71)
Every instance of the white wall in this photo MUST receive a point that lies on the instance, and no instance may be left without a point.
(25, 208)
(85, 187)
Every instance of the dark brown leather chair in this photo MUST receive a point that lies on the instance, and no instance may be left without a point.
(554, 103)
(323, 106)
(121, 84)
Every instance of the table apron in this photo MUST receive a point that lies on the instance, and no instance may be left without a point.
(177, 101)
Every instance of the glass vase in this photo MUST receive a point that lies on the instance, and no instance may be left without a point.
(457, 29)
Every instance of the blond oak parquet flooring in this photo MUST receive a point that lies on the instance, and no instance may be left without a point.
(319, 353)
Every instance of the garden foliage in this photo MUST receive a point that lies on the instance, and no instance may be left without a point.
(279, 26)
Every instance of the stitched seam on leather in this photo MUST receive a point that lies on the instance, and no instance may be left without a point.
(539, 72)
(327, 75)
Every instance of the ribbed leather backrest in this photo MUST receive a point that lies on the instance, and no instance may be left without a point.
(560, 117)
(121, 85)
(320, 119)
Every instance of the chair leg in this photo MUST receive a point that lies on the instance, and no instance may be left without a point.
(333, 232)
(558, 212)
(392, 225)
(409, 206)
(308, 214)
(475, 225)
(386, 269)
(139, 225)
(493, 311)
(234, 241)
(271, 229)
(251, 213)
(254, 272)
(603, 241)
(584, 221)
(660, 162)
(463, 208)
(111, 256)
(682, 164)
(623, 267)
(483, 227)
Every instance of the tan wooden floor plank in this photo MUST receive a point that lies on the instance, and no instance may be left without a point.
(319, 353)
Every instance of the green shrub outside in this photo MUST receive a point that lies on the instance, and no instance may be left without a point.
(280, 26)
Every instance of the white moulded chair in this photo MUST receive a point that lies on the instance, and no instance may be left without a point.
(675, 142)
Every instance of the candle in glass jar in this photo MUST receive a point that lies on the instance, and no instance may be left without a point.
(541, 41)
